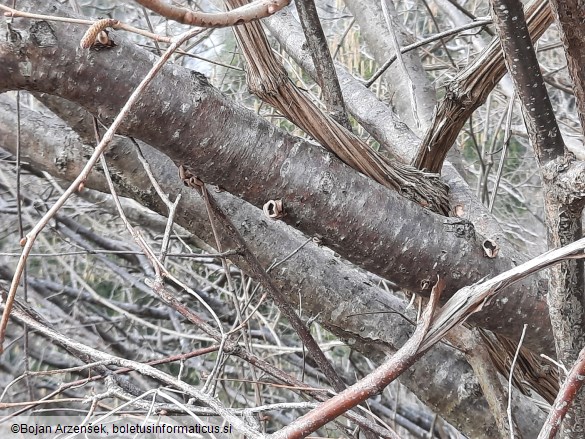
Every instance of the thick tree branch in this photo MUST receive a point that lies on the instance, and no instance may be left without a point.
(570, 16)
(344, 300)
(267, 79)
(321, 195)
(374, 30)
(384, 125)
(563, 204)
(469, 89)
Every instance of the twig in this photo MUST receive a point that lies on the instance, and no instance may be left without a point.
(507, 137)
(510, 377)
(244, 14)
(171, 205)
(423, 42)
(85, 352)
(116, 24)
(387, 9)
(565, 397)
(340, 44)
(369, 386)
(267, 282)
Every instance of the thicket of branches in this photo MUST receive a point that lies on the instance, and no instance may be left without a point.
(353, 254)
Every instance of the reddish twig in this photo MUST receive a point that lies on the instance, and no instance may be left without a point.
(245, 14)
(567, 393)
(371, 384)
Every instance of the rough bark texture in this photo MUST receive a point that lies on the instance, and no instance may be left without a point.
(566, 296)
(570, 15)
(384, 125)
(469, 89)
(267, 79)
(335, 291)
(319, 49)
(231, 147)
(563, 202)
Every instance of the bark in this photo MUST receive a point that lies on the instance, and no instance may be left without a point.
(385, 126)
(374, 30)
(344, 299)
(268, 80)
(570, 16)
(469, 89)
(232, 148)
(326, 76)
(563, 203)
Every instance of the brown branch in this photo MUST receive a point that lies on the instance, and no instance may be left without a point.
(31, 236)
(268, 80)
(563, 204)
(469, 89)
(348, 222)
(522, 64)
(354, 316)
(245, 14)
(319, 50)
(564, 400)
(465, 302)
(369, 386)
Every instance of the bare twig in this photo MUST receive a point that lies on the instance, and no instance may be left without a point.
(260, 273)
(114, 24)
(245, 14)
(390, 16)
(369, 386)
(85, 352)
(563, 402)
(423, 42)
(511, 422)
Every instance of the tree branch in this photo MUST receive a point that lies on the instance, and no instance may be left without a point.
(254, 11)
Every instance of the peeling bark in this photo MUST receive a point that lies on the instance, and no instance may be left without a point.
(469, 89)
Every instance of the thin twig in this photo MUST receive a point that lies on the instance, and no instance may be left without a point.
(438, 36)
(369, 386)
(118, 25)
(510, 377)
(245, 14)
(276, 295)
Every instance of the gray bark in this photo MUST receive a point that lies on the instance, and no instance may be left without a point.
(231, 147)
(375, 32)
(345, 300)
